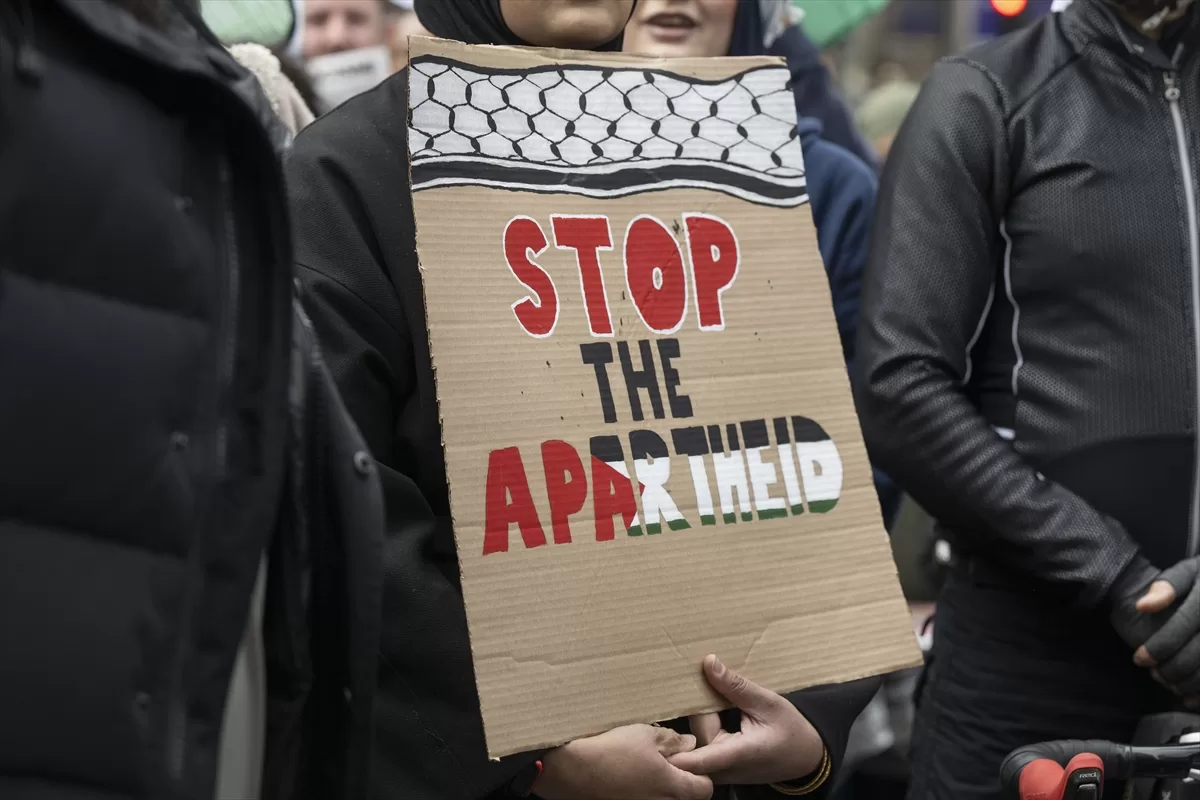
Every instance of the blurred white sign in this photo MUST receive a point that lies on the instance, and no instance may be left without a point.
(339, 76)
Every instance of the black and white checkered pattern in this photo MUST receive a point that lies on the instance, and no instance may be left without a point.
(604, 131)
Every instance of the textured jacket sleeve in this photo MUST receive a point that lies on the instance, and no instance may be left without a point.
(935, 255)
(832, 710)
(356, 260)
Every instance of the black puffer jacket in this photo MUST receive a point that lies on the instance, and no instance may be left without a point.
(1028, 336)
(150, 449)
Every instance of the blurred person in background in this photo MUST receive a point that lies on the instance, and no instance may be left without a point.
(336, 26)
(347, 47)
(1028, 354)
(882, 112)
(286, 99)
(295, 73)
(681, 28)
(184, 499)
(841, 187)
(356, 256)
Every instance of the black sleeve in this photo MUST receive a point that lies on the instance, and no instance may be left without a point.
(936, 251)
(352, 218)
(832, 710)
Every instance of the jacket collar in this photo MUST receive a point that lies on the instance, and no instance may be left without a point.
(1095, 22)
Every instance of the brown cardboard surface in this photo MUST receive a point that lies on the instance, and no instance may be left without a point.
(582, 621)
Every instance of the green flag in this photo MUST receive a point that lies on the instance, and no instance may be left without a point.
(826, 21)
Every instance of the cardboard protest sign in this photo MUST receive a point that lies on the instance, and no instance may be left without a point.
(650, 443)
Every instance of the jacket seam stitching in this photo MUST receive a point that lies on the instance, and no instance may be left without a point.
(1065, 68)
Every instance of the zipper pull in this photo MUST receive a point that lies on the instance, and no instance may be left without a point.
(1172, 90)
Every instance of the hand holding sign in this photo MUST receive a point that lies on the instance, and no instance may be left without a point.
(625, 762)
(776, 743)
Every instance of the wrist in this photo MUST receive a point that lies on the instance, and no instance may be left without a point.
(811, 782)
(1132, 581)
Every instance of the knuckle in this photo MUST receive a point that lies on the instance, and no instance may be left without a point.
(738, 683)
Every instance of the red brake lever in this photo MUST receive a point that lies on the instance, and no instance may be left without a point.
(1083, 779)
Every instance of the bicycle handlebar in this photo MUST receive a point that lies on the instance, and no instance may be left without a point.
(1115, 761)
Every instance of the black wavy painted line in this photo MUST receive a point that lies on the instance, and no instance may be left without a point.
(626, 181)
(605, 71)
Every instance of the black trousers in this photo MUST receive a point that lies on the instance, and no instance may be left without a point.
(1012, 665)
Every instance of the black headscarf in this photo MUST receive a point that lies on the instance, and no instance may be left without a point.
(476, 22)
(749, 34)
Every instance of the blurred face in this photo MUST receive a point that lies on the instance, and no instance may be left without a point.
(677, 28)
(579, 24)
(334, 26)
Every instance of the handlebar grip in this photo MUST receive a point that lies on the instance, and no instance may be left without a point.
(1117, 759)
(1121, 761)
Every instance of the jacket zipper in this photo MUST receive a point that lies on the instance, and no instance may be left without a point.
(177, 714)
(1172, 94)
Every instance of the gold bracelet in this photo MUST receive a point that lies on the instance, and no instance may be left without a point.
(823, 772)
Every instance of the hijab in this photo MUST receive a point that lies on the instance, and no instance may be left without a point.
(756, 26)
(475, 22)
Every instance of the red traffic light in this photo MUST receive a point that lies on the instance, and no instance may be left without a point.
(1009, 8)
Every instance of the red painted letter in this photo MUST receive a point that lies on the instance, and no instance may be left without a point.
(587, 236)
(522, 235)
(714, 251)
(612, 494)
(654, 274)
(566, 485)
(505, 478)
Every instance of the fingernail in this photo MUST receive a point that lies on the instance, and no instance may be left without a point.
(718, 668)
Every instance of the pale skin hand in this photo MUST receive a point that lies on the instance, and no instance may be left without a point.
(1159, 597)
(776, 743)
(623, 764)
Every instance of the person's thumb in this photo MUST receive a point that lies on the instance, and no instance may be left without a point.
(670, 743)
(1158, 597)
(687, 786)
(737, 689)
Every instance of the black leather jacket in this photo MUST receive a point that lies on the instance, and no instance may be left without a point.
(1028, 337)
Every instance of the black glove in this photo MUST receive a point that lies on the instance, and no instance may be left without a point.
(1172, 636)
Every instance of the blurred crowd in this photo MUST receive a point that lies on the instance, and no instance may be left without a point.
(218, 404)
